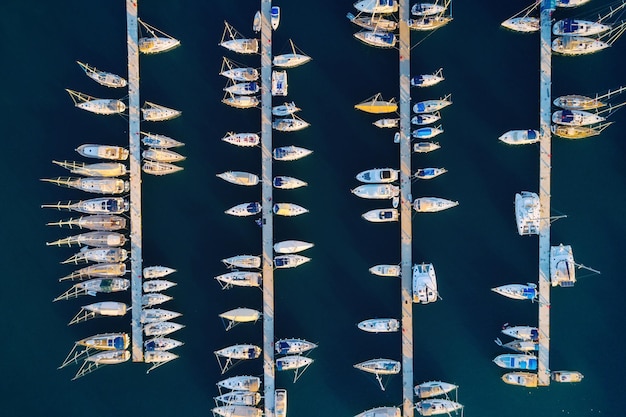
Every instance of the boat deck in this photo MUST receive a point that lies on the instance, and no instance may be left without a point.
(134, 138)
(406, 214)
(545, 168)
(267, 216)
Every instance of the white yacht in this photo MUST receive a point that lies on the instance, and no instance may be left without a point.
(386, 270)
(89, 150)
(153, 315)
(427, 132)
(427, 80)
(159, 141)
(241, 352)
(280, 402)
(290, 153)
(154, 298)
(527, 213)
(161, 328)
(109, 357)
(239, 398)
(576, 27)
(241, 383)
(376, 6)
(100, 169)
(432, 204)
(376, 191)
(576, 118)
(520, 137)
(101, 205)
(106, 341)
(570, 3)
(232, 71)
(381, 215)
(381, 412)
(292, 246)
(425, 119)
(518, 291)
(379, 366)
(525, 361)
(240, 279)
(378, 175)
(426, 23)
(244, 209)
(104, 78)
(290, 362)
(577, 45)
(288, 209)
(379, 325)
(95, 239)
(242, 139)
(153, 112)
(386, 123)
(290, 261)
(285, 109)
(244, 88)
(237, 411)
(279, 83)
(159, 168)
(562, 266)
(525, 24)
(241, 102)
(433, 389)
(429, 173)
(290, 60)
(425, 147)
(289, 124)
(566, 376)
(426, 9)
(523, 346)
(239, 178)
(234, 41)
(377, 105)
(275, 17)
(97, 270)
(578, 102)
(107, 309)
(287, 183)
(376, 38)
(436, 406)
(431, 106)
(424, 284)
(157, 42)
(103, 285)
(521, 332)
(162, 155)
(98, 254)
(524, 379)
(373, 22)
(157, 271)
(293, 346)
(243, 261)
(578, 132)
(96, 105)
(93, 184)
(241, 315)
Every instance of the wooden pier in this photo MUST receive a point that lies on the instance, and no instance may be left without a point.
(406, 213)
(135, 179)
(266, 202)
(545, 167)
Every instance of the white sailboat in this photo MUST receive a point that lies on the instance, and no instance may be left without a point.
(242, 139)
(240, 279)
(92, 184)
(432, 204)
(239, 398)
(566, 376)
(241, 383)
(381, 412)
(381, 215)
(159, 168)
(291, 362)
(293, 346)
(424, 284)
(243, 261)
(577, 27)
(522, 21)
(518, 291)
(100, 169)
(436, 406)
(240, 102)
(158, 41)
(152, 112)
(373, 22)
(234, 41)
(91, 104)
(290, 60)
(429, 173)
(379, 366)
(426, 9)
(433, 389)
(285, 109)
(576, 118)
(244, 209)
(378, 175)
(237, 411)
(157, 285)
(431, 106)
(290, 261)
(238, 315)
(90, 150)
(104, 78)
(387, 123)
(158, 271)
(153, 315)
(244, 88)
(376, 6)
(162, 155)
(94, 239)
(280, 402)
(236, 72)
(239, 178)
(154, 298)
(428, 80)
(98, 254)
(161, 328)
(292, 246)
(290, 153)
(382, 325)
(239, 352)
(289, 124)
(100, 205)
(379, 39)
(287, 183)
(577, 45)
(159, 141)
(520, 137)
(521, 332)
(425, 147)
(570, 3)
(427, 132)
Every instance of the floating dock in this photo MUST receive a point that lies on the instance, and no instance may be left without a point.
(267, 215)
(545, 168)
(406, 214)
(135, 179)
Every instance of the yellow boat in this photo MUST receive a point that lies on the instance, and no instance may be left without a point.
(377, 105)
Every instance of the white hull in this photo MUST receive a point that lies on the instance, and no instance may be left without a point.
(159, 168)
(106, 341)
(240, 279)
(379, 366)
(103, 152)
(159, 141)
(290, 153)
(158, 271)
(104, 78)
(109, 357)
(290, 60)
(154, 298)
(244, 209)
(428, 22)
(291, 246)
(241, 102)
(158, 356)
(243, 261)
(376, 191)
(153, 315)
(104, 255)
(288, 183)
(426, 9)
(287, 363)
(241, 315)
(575, 118)
(562, 266)
(242, 139)
(424, 284)
(157, 285)
(386, 270)
(425, 147)
(521, 332)
(162, 155)
(426, 132)
(526, 24)
(433, 204)
(101, 169)
(377, 39)
(577, 45)
(527, 213)
(376, 6)
(155, 45)
(518, 291)
(437, 406)
(427, 80)
(433, 389)
(103, 106)
(239, 398)
(425, 119)
(241, 74)
(289, 124)
(152, 112)
(239, 178)
(524, 379)
(279, 83)
(288, 209)
(280, 402)
(566, 376)
(381, 215)
(386, 123)
(241, 383)
(285, 109)
(293, 346)
(430, 106)
(378, 175)
(242, 46)
(244, 89)
(104, 285)
(429, 173)
(575, 27)
(379, 325)
(94, 239)
(290, 261)
(240, 352)
(381, 412)
(107, 308)
(520, 137)
(522, 361)
(161, 328)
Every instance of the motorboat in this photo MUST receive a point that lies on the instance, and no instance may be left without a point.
(288, 209)
(376, 6)
(239, 178)
(162, 155)
(377, 105)
(90, 150)
(381, 412)
(387, 123)
(376, 38)
(239, 398)
(431, 106)
(98, 222)
(100, 169)
(237, 411)
(436, 406)
(243, 261)
(518, 291)
(376, 191)
(285, 109)
(93, 184)
(240, 352)
(97, 270)
(241, 315)
(525, 24)
(152, 112)
(104, 106)
(527, 213)
(426, 23)
(99, 238)
(275, 17)
(290, 362)
(289, 124)
(106, 341)
(292, 246)
(524, 379)
(104, 78)
(378, 175)
(520, 137)
(293, 346)
(98, 254)
(432, 204)
(578, 102)
(158, 271)
(240, 279)
(159, 141)
(429, 173)
(100, 205)
(386, 270)
(427, 80)
(373, 22)
(241, 102)
(245, 88)
(157, 42)
(524, 361)
(287, 183)
(570, 3)
(425, 119)
(153, 315)
(562, 266)
(577, 27)
(279, 83)
(521, 332)
(290, 60)
(159, 168)
(154, 298)
(290, 153)
(242, 139)
(280, 402)
(381, 215)
(379, 366)
(424, 284)
(161, 328)
(566, 376)
(381, 325)
(241, 383)
(576, 118)
(427, 132)
(290, 261)
(157, 285)
(433, 389)
(232, 71)
(244, 209)
(577, 45)
(234, 41)
(425, 147)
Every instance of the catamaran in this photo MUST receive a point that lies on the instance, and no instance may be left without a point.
(377, 105)
(424, 284)
(433, 389)
(94, 239)
(93, 184)
(292, 59)
(290, 261)
(287, 183)
(525, 361)
(158, 41)
(279, 83)
(384, 270)
(379, 39)
(159, 141)
(239, 178)
(101, 205)
(379, 325)
(162, 155)
(527, 213)
(288, 209)
(293, 346)
(234, 41)
(280, 402)
(520, 137)
(381, 215)
(152, 112)
(98, 222)
(292, 246)
(436, 406)
(432, 204)
(427, 80)
(431, 106)
(290, 153)
(562, 266)
(104, 106)
(378, 175)
(518, 291)
(159, 168)
(429, 173)
(89, 150)
(242, 139)
(104, 78)
(425, 147)
(244, 209)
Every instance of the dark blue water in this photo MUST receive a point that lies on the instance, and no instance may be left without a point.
(494, 80)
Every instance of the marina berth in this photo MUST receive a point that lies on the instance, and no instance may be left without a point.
(93, 184)
(158, 271)
(429, 173)
(290, 362)
(376, 191)
(100, 169)
(95, 239)
(104, 78)
(426, 9)
(562, 266)
(386, 270)
(105, 106)
(432, 204)
(241, 383)
(373, 22)
(153, 315)
(159, 168)
(433, 389)
(521, 332)
(427, 132)
(290, 124)
(241, 315)
(524, 361)
(98, 222)
(381, 412)
(234, 41)
(290, 153)
(376, 105)
(566, 376)
(518, 291)
(101, 205)
(106, 341)
(577, 45)
(237, 411)
(424, 284)
(427, 80)
(240, 279)
(242, 139)
(275, 17)
(288, 209)
(520, 137)
(523, 379)
(290, 261)
(378, 175)
(239, 398)
(379, 366)
(386, 123)
(436, 406)
(285, 109)
(107, 309)
(279, 83)
(157, 42)
(244, 209)
(378, 39)
(527, 213)
(97, 270)
(280, 402)
(159, 141)
(241, 352)
(425, 119)
(243, 261)
(291, 246)
(287, 183)
(426, 23)
(431, 106)
(293, 346)
(290, 60)
(152, 112)
(246, 88)
(104, 255)
(162, 155)
(576, 27)
(90, 150)
(157, 285)
(381, 215)
(376, 6)
(239, 178)
(425, 147)
(154, 298)
(161, 328)
(379, 325)
(240, 102)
